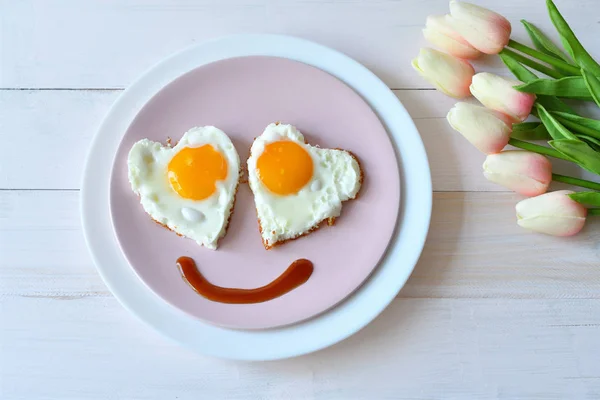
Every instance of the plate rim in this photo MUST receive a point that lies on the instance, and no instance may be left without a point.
(324, 330)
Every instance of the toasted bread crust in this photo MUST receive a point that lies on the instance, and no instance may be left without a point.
(279, 243)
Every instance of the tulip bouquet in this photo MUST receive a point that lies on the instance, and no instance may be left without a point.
(470, 31)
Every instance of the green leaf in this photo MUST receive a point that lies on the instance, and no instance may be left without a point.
(593, 85)
(530, 131)
(526, 126)
(518, 70)
(592, 141)
(552, 103)
(536, 65)
(525, 75)
(536, 148)
(546, 46)
(587, 198)
(586, 122)
(555, 128)
(579, 125)
(570, 42)
(569, 86)
(580, 152)
(542, 42)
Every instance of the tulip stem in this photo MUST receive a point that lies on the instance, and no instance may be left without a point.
(556, 62)
(533, 64)
(593, 212)
(536, 148)
(576, 182)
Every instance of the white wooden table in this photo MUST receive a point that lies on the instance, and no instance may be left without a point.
(491, 311)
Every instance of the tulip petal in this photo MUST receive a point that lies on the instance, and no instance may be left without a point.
(525, 75)
(521, 184)
(450, 75)
(524, 172)
(484, 29)
(555, 226)
(485, 129)
(452, 46)
(498, 93)
(440, 33)
(553, 213)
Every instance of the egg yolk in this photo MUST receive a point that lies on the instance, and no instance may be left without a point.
(284, 167)
(194, 171)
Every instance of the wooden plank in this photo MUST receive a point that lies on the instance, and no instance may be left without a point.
(49, 133)
(46, 136)
(106, 44)
(474, 250)
(418, 349)
(510, 314)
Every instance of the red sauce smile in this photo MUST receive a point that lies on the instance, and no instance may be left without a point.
(296, 274)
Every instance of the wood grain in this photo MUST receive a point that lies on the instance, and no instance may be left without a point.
(91, 348)
(56, 127)
(107, 44)
(474, 250)
(490, 312)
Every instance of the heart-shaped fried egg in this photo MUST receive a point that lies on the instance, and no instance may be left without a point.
(297, 186)
(189, 188)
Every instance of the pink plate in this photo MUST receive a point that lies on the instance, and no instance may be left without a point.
(242, 96)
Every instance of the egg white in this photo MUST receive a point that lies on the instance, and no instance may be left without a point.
(204, 221)
(336, 178)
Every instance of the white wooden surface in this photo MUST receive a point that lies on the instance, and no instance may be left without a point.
(491, 311)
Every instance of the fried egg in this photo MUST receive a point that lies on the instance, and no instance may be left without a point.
(296, 186)
(189, 188)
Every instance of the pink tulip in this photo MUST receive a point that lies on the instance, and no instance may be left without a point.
(498, 93)
(439, 33)
(553, 213)
(485, 30)
(487, 130)
(525, 172)
(450, 75)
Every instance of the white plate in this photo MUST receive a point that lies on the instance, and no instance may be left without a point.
(317, 333)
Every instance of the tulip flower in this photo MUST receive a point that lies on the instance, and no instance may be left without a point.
(553, 213)
(524, 172)
(498, 93)
(439, 33)
(487, 130)
(485, 30)
(450, 75)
